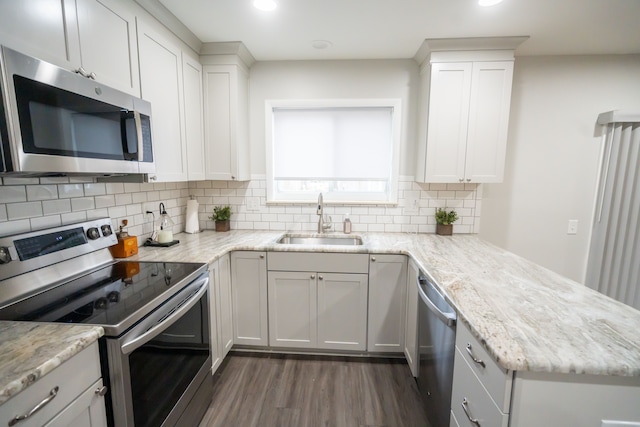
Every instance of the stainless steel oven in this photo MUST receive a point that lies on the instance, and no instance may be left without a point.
(155, 354)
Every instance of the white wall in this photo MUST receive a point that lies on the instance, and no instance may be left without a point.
(553, 155)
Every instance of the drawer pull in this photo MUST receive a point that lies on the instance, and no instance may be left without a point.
(473, 356)
(101, 391)
(52, 394)
(465, 402)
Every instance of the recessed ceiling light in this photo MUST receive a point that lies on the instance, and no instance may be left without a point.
(488, 2)
(266, 5)
(321, 44)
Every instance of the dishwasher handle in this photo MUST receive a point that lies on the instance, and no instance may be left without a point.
(447, 318)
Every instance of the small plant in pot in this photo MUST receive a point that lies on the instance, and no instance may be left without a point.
(221, 215)
(444, 221)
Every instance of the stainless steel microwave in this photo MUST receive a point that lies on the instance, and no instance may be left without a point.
(55, 122)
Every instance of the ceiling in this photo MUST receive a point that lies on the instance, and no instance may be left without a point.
(371, 29)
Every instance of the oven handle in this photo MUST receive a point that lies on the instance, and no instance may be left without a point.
(176, 310)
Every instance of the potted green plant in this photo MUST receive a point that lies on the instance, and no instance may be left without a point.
(444, 221)
(221, 215)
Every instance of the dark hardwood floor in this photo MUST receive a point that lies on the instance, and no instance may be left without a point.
(255, 389)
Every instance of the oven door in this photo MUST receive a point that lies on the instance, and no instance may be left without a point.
(160, 368)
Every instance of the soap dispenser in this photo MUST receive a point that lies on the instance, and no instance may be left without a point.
(346, 225)
(165, 235)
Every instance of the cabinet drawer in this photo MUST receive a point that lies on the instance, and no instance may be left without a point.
(496, 380)
(480, 406)
(72, 378)
(310, 261)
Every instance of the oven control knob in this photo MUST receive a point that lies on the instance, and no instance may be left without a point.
(93, 233)
(106, 230)
(5, 256)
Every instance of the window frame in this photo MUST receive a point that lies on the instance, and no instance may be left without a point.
(330, 198)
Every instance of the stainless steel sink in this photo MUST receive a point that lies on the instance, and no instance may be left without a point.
(324, 240)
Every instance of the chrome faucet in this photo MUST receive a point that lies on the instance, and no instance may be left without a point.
(322, 225)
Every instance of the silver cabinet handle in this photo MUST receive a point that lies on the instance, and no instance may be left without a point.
(261, 256)
(52, 394)
(473, 356)
(101, 391)
(465, 402)
(313, 276)
(320, 277)
(468, 179)
(461, 179)
(373, 258)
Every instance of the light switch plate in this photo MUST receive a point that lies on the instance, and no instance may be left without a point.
(573, 226)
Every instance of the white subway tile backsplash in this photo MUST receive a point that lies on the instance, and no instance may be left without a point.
(45, 222)
(83, 203)
(20, 181)
(8, 228)
(59, 206)
(70, 190)
(95, 189)
(81, 199)
(24, 210)
(12, 194)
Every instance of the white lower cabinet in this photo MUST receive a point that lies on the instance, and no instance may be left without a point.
(225, 302)
(318, 300)
(249, 296)
(214, 316)
(387, 300)
(342, 311)
(78, 400)
(293, 304)
(411, 318)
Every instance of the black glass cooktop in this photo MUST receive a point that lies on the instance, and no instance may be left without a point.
(116, 296)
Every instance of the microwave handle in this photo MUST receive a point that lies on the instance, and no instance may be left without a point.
(137, 122)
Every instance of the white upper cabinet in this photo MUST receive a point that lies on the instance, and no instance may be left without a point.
(464, 113)
(192, 74)
(46, 29)
(108, 44)
(226, 91)
(97, 35)
(161, 83)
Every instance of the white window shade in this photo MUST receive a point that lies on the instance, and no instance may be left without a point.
(333, 143)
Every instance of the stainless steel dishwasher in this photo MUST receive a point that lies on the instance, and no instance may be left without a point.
(436, 342)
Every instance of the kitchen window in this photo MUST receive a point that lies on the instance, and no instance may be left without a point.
(346, 149)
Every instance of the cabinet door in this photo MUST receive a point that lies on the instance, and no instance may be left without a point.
(342, 311)
(192, 74)
(161, 84)
(46, 29)
(449, 95)
(214, 316)
(387, 299)
(108, 43)
(411, 319)
(249, 292)
(87, 410)
(226, 304)
(488, 121)
(292, 309)
(226, 122)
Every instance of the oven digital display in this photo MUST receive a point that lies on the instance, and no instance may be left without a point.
(34, 247)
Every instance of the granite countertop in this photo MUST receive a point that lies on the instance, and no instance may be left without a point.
(31, 350)
(528, 317)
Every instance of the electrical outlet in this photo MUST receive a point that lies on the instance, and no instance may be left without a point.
(573, 226)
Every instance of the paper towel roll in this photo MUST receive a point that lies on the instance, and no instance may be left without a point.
(192, 225)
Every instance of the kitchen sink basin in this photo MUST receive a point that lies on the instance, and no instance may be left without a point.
(320, 240)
